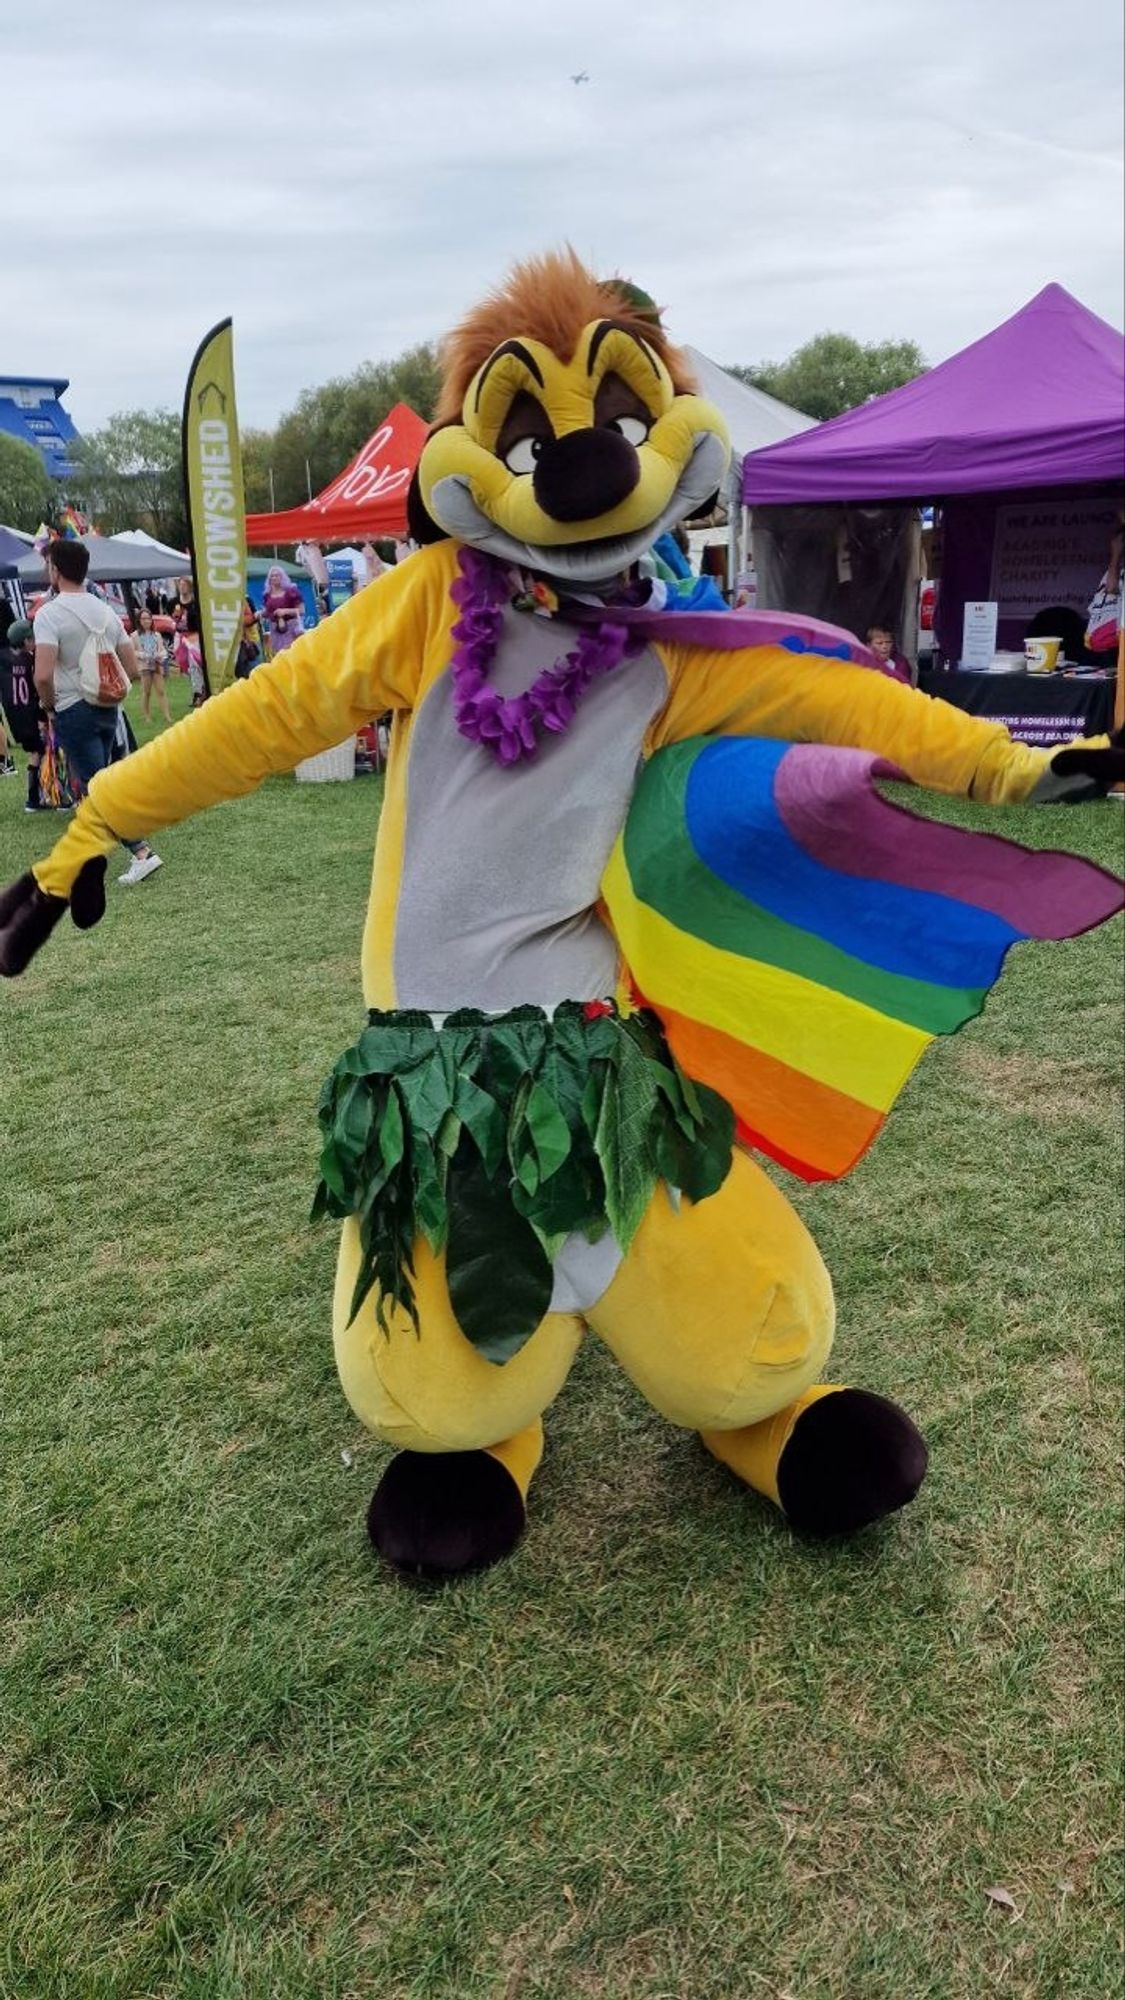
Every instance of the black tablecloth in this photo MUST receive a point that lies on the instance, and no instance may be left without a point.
(1042, 709)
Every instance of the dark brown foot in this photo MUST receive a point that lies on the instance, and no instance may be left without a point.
(443, 1514)
(852, 1458)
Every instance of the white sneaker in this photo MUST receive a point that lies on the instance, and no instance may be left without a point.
(138, 869)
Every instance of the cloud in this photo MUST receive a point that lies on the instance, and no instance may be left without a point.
(346, 179)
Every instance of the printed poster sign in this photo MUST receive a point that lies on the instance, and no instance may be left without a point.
(978, 642)
(1049, 552)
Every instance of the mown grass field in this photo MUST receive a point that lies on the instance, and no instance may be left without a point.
(665, 1753)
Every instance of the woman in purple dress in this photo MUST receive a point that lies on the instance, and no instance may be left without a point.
(284, 610)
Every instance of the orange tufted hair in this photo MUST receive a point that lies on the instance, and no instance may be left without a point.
(549, 299)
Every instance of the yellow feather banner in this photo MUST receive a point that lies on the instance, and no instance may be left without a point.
(216, 507)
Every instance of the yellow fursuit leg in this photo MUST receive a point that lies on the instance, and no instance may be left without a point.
(429, 1390)
(722, 1311)
(520, 1455)
(722, 1314)
(754, 1452)
(469, 1432)
(835, 1460)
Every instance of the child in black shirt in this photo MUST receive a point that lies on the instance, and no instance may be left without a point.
(22, 706)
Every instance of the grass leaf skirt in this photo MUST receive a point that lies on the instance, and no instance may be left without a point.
(495, 1137)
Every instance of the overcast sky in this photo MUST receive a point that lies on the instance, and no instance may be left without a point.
(345, 178)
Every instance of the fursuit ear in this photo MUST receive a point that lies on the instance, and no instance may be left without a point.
(421, 525)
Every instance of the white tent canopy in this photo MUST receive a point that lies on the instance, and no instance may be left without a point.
(753, 420)
(140, 540)
(113, 560)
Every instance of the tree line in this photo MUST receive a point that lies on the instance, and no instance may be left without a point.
(128, 473)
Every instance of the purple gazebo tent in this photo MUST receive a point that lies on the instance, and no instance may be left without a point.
(1038, 402)
(1035, 408)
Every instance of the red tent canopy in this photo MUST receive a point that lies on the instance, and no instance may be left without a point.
(368, 498)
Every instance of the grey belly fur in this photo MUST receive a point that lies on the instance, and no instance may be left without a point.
(501, 868)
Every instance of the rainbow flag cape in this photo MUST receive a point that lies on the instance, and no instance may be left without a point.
(803, 939)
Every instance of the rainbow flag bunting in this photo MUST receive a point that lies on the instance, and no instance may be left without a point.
(803, 939)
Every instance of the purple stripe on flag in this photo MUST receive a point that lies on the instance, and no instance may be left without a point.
(729, 631)
(827, 801)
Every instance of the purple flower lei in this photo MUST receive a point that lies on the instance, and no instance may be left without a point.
(511, 729)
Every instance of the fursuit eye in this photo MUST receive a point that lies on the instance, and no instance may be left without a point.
(634, 429)
(521, 456)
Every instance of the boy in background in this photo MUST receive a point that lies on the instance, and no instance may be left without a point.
(881, 640)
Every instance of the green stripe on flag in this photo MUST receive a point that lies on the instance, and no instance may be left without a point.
(669, 876)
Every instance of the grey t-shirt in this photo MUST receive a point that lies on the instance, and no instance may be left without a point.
(64, 622)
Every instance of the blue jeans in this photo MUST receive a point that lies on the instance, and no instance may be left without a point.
(88, 737)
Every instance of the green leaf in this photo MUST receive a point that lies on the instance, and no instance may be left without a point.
(426, 1096)
(379, 1051)
(710, 1151)
(698, 1165)
(498, 1273)
(520, 1147)
(483, 1120)
(526, 1167)
(332, 1173)
(431, 1214)
(570, 1200)
(601, 1037)
(592, 1094)
(392, 1134)
(459, 1054)
(691, 1094)
(449, 1134)
(669, 1082)
(513, 1052)
(550, 1134)
(622, 1141)
(673, 1154)
(351, 1126)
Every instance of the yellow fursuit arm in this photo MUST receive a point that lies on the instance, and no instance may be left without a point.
(364, 660)
(768, 691)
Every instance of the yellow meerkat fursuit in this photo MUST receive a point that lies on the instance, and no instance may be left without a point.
(478, 1136)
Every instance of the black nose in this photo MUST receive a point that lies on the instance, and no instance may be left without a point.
(584, 474)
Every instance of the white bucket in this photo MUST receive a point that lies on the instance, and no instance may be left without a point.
(1042, 655)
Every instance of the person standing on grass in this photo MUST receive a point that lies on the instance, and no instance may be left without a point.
(153, 657)
(87, 731)
(7, 620)
(22, 706)
(187, 649)
(284, 610)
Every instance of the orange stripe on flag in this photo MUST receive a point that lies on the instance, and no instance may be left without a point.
(808, 1126)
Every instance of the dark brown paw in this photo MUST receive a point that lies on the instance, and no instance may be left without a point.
(852, 1458)
(443, 1514)
(87, 898)
(27, 918)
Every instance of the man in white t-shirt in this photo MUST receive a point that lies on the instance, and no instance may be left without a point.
(87, 731)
